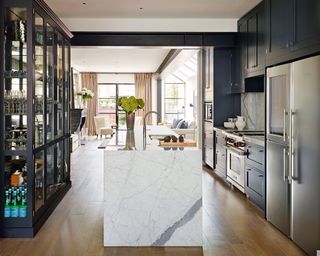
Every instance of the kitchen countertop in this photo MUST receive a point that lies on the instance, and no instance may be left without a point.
(257, 140)
(126, 140)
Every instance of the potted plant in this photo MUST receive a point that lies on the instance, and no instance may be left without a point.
(130, 105)
(85, 95)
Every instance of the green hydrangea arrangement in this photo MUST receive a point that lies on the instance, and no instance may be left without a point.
(130, 104)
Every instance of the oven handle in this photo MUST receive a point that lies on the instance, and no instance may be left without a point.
(236, 151)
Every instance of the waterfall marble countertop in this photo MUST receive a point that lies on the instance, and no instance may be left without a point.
(152, 197)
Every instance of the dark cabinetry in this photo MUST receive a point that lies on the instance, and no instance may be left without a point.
(251, 30)
(220, 154)
(34, 131)
(225, 103)
(255, 174)
(293, 29)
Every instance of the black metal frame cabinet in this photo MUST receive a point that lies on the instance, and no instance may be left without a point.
(293, 30)
(34, 96)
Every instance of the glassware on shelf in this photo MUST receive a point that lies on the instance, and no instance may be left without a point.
(15, 103)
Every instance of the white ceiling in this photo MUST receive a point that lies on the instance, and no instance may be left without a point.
(117, 59)
(151, 8)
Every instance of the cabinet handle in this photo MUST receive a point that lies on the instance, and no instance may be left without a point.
(261, 150)
(260, 176)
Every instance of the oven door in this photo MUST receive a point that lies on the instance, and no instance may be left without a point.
(235, 166)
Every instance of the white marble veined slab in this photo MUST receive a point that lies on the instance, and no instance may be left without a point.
(153, 198)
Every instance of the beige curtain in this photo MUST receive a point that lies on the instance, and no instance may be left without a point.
(143, 90)
(90, 81)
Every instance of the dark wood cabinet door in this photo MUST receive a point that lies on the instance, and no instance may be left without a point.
(255, 186)
(242, 29)
(279, 17)
(252, 35)
(306, 24)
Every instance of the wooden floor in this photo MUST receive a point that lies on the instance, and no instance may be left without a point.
(232, 226)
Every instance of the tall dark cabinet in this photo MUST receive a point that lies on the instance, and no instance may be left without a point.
(34, 131)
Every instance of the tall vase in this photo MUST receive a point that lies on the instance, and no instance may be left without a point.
(130, 121)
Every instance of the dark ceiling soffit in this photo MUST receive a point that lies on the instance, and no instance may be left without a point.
(54, 17)
(169, 39)
(172, 54)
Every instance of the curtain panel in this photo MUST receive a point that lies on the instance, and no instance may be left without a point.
(143, 90)
(90, 81)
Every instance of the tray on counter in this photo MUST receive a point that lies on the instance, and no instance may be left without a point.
(186, 143)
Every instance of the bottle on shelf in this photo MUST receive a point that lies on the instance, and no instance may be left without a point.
(14, 205)
(16, 202)
(7, 208)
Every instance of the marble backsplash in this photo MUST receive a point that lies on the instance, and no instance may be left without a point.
(253, 108)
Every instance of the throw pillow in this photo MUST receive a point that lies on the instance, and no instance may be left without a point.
(175, 122)
(182, 124)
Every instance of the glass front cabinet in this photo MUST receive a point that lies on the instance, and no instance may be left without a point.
(34, 132)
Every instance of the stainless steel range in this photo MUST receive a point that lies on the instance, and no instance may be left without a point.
(236, 155)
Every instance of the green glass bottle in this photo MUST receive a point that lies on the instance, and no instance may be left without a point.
(23, 205)
(7, 208)
(14, 211)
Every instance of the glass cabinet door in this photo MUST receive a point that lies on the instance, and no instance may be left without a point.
(39, 166)
(50, 40)
(39, 82)
(50, 177)
(66, 85)
(59, 88)
(15, 78)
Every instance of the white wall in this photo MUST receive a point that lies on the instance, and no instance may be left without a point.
(116, 78)
(151, 24)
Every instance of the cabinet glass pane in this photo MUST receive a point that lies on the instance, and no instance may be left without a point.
(66, 159)
(39, 179)
(50, 83)
(60, 165)
(277, 104)
(15, 82)
(50, 187)
(15, 187)
(66, 85)
(59, 88)
(39, 82)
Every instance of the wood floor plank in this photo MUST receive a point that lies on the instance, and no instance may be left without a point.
(232, 226)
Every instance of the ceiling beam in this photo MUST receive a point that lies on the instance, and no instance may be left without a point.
(172, 54)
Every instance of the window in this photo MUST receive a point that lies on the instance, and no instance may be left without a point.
(174, 98)
(108, 95)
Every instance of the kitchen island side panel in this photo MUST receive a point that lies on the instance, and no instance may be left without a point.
(153, 198)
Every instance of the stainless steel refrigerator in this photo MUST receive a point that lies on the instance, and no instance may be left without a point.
(293, 155)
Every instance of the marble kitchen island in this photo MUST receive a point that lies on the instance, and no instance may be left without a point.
(153, 197)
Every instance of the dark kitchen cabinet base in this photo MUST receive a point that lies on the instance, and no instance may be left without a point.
(30, 232)
(255, 186)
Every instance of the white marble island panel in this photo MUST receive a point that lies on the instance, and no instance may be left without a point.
(153, 198)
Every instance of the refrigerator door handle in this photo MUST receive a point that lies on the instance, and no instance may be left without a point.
(285, 176)
(284, 124)
(293, 151)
